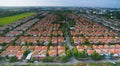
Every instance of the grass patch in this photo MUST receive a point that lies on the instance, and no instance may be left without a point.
(10, 19)
(77, 64)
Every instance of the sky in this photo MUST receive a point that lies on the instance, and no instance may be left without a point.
(78, 3)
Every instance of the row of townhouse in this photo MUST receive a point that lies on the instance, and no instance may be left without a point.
(88, 27)
(94, 32)
(111, 23)
(95, 40)
(78, 40)
(6, 39)
(20, 29)
(44, 33)
(105, 39)
(40, 40)
(36, 51)
(53, 51)
(101, 49)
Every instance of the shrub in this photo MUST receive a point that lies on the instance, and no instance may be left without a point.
(48, 59)
(13, 59)
(96, 56)
(64, 58)
(82, 54)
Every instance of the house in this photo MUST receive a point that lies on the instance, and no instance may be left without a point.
(54, 40)
(52, 51)
(10, 48)
(38, 48)
(14, 33)
(54, 33)
(4, 53)
(23, 48)
(19, 54)
(61, 51)
(40, 52)
(60, 39)
(36, 54)
(80, 48)
(90, 51)
(31, 48)
(43, 52)
(60, 33)
(28, 39)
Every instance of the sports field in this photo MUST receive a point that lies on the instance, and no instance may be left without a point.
(10, 19)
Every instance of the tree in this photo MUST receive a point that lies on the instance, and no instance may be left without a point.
(64, 58)
(82, 54)
(71, 40)
(86, 42)
(26, 53)
(49, 44)
(13, 59)
(1, 50)
(100, 43)
(1, 58)
(38, 64)
(82, 35)
(48, 59)
(75, 51)
(3, 44)
(32, 59)
(96, 56)
(68, 53)
(66, 47)
(37, 41)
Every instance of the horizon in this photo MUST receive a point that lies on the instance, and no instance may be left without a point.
(58, 7)
(61, 3)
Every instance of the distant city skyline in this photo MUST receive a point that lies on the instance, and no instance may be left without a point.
(78, 3)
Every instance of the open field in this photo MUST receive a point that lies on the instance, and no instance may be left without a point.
(10, 19)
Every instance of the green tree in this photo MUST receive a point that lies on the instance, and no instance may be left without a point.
(66, 47)
(37, 41)
(13, 59)
(48, 59)
(64, 58)
(1, 58)
(75, 51)
(96, 56)
(1, 50)
(32, 59)
(71, 40)
(26, 53)
(82, 54)
(69, 53)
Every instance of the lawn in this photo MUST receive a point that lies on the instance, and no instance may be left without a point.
(10, 19)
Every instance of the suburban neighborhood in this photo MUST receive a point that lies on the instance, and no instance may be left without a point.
(60, 38)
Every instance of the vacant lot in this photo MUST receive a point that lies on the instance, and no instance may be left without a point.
(10, 19)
